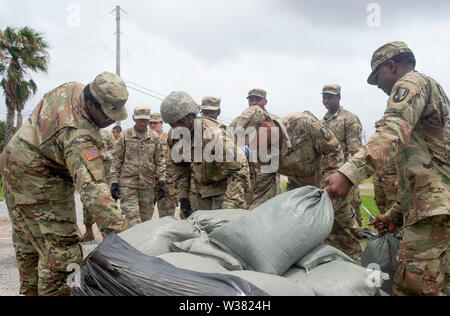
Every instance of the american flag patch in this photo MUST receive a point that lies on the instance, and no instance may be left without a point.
(92, 154)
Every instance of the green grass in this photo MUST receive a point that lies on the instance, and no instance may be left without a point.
(369, 203)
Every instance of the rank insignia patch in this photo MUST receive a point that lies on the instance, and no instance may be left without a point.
(92, 154)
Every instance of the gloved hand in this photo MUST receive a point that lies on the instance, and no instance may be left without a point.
(185, 207)
(115, 191)
(160, 191)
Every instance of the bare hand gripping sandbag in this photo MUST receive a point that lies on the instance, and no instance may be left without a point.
(276, 234)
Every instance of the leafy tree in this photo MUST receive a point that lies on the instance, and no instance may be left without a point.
(20, 51)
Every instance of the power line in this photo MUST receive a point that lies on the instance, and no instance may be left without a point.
(83, 50)
(145, 88)
(167, 63)
(81, 30)
(144, 93)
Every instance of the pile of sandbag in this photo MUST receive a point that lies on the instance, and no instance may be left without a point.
(276, 249)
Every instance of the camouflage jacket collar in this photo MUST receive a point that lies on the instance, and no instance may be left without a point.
(330, 116)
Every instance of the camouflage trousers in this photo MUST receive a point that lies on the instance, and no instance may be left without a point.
(168, 204)
(424, 259)
(210, 203)
(46, 241)
(137, 205)
(345, 234)
(385, 192)
(265, 186)
(193, 195)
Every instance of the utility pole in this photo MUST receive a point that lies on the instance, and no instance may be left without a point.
(118, 45)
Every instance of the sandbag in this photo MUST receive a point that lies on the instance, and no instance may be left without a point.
(193, 262)
(382, 252)
(274, 285)
(201, 246)
(115, 268)
(210, 220)
(321, 254)
(276, 234)
(336, 278)
(155, 237)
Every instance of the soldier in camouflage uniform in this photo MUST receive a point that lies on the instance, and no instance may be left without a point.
(167, 205)
(268, 187)
(138, 162)
(219, 185)
(108, 141)
(415, 132)
(348, 130)
(309, 152)
(55, 152)
(211, 107)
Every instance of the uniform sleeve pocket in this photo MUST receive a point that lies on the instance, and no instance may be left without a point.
(91, 159)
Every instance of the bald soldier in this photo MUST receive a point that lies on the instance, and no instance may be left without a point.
(220, 184)
(348, 130)
(308, 152)
(56, 151)
(256, 194)
(168, 204)
(415, 132)
(138, 162)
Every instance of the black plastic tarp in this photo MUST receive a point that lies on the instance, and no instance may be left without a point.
(115, 268)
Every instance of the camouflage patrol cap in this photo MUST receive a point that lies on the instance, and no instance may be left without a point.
(112, 94)
(156, 118)
(332, 89)
(210, 104)
(178, 105)
(383, 54)
(141, 113)
(257, 93)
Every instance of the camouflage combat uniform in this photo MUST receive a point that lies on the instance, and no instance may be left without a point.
(269, 183)
(138, 161)
(168, 204)
(108, 142)
(54, 152)
(219, 185)
(386, 194)
(415, 132)
(348, 130)
(309, 152)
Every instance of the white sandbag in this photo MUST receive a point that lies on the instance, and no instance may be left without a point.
(155, 237)
(192, 262)
(337, 278)
(210, 220)
(321, 254)
(276, 234)
(201, 246)
(274, 285)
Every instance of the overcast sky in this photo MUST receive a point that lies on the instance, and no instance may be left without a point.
(291, 48)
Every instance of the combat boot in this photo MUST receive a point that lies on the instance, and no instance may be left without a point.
(88, 235)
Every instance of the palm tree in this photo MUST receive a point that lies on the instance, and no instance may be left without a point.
(20, 51)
